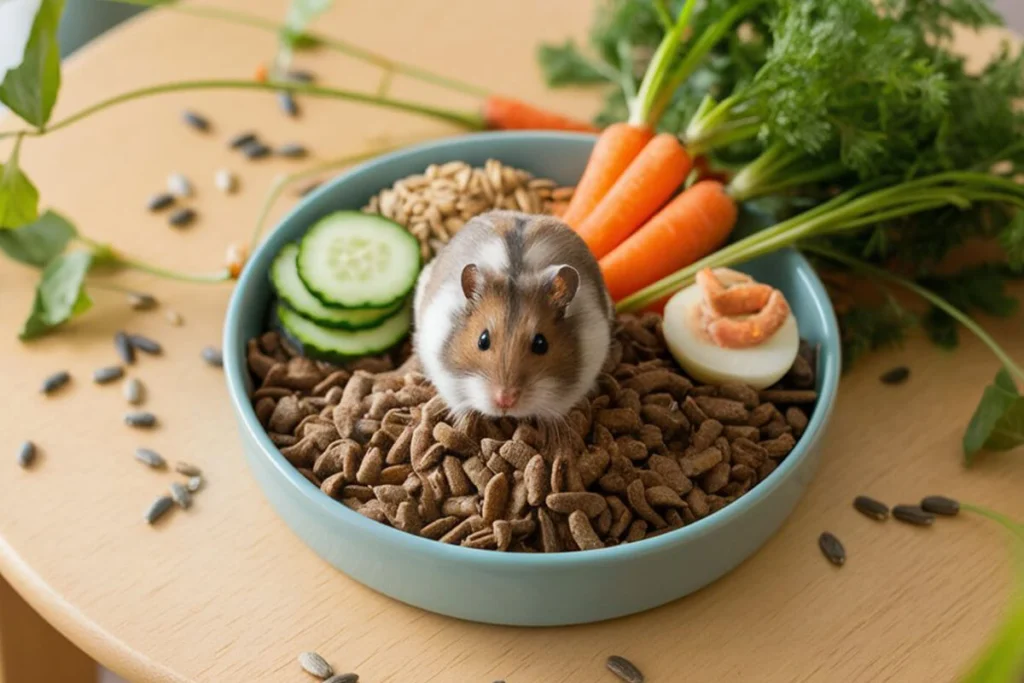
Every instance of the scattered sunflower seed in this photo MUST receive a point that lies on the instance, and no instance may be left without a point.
(188, 470)
(140, 418)
(241, 140)
(195, 120)
(194, 484)
(871, 507)
(292, 150)
(912, 514)
(124, 348)
(287, 103)
(309, 187)
(213, 356)
(174, 318)
(181, 495)
(225, 181)
(133, 392)
(179, 185)
(182, 217)
(55, 381)
(301, 76)
(107, 374)
(26, 454)
(940, 505)
(351, 678)
(316, 665)
(140, 301)
(145, 344)
(624, 669)
(255, 150)
(160, 201)
(150, 458)
(832, 548)
(157, 509)
(897, 375)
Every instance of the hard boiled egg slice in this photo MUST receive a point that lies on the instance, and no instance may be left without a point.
(759, 366)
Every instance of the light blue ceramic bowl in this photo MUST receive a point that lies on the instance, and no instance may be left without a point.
(502, 588)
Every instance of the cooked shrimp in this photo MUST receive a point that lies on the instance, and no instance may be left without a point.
(741, 333)
(729, 293)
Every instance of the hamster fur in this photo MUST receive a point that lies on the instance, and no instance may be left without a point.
(513, 317)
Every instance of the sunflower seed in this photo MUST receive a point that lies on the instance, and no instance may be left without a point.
(140, 301)
(351, 678)
(160, 201)
(292, 150)
(159, 506)
(832, 548)
(306, 189)
(255, 150)
(124, 348)
(871, 507)
(195, 120)
(182, 217)
(179, 185)
(140, 418)
(174, 318)
(107, 374)
(225, 181)
(181, 495)
(241, 140)
(213, 356)
(133, 391)
(26, 454)
(287, 103)
(188, 470)
(194, 484)
(624, 669)
(315, 664)
(940, 505)
(150, 458)
(145, 344)
(301, 76)
(55, 381)
(897, 375)
(912, 514)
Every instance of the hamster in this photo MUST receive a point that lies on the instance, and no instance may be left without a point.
(513, 318)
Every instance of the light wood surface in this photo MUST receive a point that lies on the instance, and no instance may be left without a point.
(224, 592)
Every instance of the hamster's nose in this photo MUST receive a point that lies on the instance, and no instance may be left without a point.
(506, 398)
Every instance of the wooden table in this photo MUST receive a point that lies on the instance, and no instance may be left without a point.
(224, 592)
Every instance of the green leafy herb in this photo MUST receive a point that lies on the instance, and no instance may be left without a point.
(30, 89)
(566, 65)
(300, 14)
(981, 288)
(60, 294)
(998, 422)
(38, 243)
(870, 328)
(19, 198)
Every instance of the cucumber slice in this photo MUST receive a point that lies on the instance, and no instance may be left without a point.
(284, 275)
(357, 260)
(340, 345)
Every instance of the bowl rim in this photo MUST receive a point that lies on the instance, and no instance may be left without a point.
(342, 516)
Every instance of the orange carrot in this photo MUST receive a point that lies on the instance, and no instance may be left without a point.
(642, 189)
(618, 145)
(505, 113)
(690, 227)
(261, 73)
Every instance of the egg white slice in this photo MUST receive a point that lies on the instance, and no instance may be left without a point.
(759, 366)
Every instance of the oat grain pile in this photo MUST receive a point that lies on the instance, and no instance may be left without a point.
(648, 451)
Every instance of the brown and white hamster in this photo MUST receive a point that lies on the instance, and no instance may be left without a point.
(513, 317)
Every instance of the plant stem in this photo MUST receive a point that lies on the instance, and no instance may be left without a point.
(926, 294)
(640, 107)
(999, 518)
(467, 120)
(118, 259)
(335, 44)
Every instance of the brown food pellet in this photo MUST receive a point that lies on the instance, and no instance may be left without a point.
(619, 420)
(584, 535)
(788, 396)
(537, 480)
(590, 503)
(638, 502)
(663, 496)
(495, 498)
(706, 434)
(724, 410)
(517, 453)
(439, 527)
(701, 462)
(751, 433)
(715, 479)
(779, 446)
(637, 530)
(458, 483)
(897, 375)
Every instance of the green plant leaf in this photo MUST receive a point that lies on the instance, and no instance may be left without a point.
(60, 294)
(30, 89)
(979, 288)
(19, 198)
(565, 65)
(301, 12)
(38, 243)
(998, 421)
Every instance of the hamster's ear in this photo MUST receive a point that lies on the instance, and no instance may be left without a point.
(472, 282)
(562, 284)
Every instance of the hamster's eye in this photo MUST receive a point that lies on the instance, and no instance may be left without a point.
(484, 342)
(539, 345)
